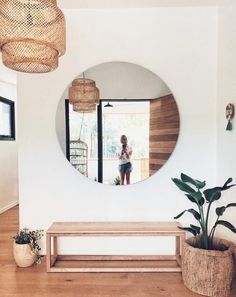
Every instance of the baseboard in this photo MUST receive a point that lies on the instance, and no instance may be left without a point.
(2, 210)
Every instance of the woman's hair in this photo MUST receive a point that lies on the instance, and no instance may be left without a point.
(123, 137)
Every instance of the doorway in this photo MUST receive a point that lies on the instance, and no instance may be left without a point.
(101, 131)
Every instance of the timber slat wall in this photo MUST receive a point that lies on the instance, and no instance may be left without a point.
(164, 131)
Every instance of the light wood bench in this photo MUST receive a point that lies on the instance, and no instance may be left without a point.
(80, 263)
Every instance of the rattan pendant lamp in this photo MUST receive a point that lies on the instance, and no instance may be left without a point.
(84, 108)
(32, 35)
(84, 95)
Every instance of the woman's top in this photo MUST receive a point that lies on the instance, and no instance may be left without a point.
(124, 155)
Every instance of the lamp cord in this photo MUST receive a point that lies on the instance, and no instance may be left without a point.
(84, 83)
(82, 122)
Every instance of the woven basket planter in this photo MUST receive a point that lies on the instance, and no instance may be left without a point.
(208, 272)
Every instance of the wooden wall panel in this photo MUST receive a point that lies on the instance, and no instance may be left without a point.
(164, 131)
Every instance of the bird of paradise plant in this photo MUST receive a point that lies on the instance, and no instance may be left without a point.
(203, 199)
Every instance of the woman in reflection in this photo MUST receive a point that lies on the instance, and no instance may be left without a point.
(125, 166)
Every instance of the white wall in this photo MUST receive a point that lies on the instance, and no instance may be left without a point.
(179, 45)
(226, 160)
(8, 154)
(133, 3)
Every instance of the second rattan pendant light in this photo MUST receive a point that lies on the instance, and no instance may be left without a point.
(84, 95)
(32, 35)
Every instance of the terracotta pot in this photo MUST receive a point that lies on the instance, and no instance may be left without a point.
(208, 272)
(23, 255)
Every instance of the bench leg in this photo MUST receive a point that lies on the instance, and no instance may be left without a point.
(177, 249)
(48, 253)
(55, 253)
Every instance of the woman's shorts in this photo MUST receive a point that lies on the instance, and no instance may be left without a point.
(125, 168)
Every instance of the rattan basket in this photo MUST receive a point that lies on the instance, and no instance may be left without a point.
(208, 272)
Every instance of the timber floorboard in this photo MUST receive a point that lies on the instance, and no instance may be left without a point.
(35, 282)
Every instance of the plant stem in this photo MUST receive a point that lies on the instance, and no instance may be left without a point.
(208, 212)
(211, 237)
(205, 238)
(206, 225)
(204, 230)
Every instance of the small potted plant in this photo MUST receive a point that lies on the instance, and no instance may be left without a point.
(207, 261)
(26, 248)
(116, 181)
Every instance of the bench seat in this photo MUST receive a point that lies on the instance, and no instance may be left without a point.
(116, 263)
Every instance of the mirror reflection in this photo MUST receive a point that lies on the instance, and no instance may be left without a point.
(131, 132)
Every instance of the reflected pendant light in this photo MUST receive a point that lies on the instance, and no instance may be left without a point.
(84, 95)
(32, 35)
(80, 107)
(108, 105)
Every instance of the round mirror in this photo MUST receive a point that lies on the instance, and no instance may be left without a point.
(129, 129)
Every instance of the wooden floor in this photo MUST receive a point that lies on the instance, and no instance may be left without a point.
(35, 282)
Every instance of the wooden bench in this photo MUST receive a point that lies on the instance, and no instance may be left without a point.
(80, 263)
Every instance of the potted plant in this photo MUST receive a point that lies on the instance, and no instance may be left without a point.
(116, 181)
(207, 262)
(26, 248)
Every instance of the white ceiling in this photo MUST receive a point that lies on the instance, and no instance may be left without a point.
(133, 3)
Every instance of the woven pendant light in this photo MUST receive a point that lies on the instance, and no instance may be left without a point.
(84, 108)
(84, 82)
(32, 35)
(76, 95)
(84, 95)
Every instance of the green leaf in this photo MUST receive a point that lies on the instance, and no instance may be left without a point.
(229, 180)
(192, 211)
(227, 225)
(183, 186)
(231, 205)
(195, 214)
(212, 195)
(200, 202)
(187, 179)
(179, 215)
(191, 198)
(197, 196)
(226, 185)
(196, 228)
(220, 211)
(191, 230)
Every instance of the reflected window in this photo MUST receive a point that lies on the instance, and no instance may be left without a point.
(100, 163)
(131, 118)
(7, 119)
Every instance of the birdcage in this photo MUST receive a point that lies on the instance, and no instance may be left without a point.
(79, 156)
